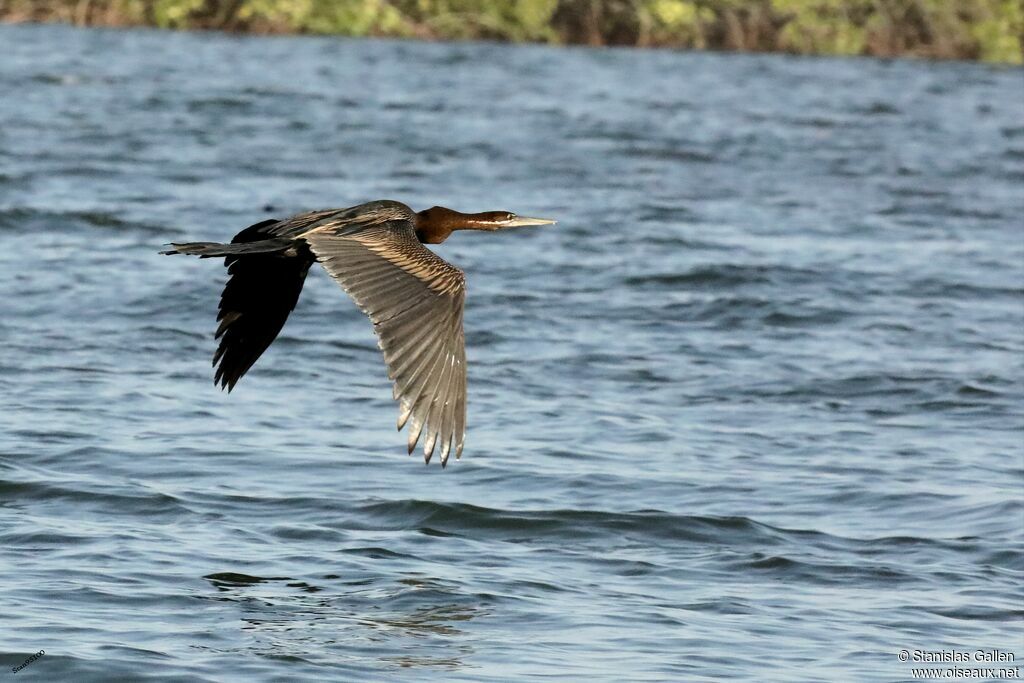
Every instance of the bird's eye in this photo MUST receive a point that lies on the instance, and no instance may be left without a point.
(511, 216)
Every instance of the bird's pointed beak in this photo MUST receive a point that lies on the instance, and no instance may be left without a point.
(523, 221)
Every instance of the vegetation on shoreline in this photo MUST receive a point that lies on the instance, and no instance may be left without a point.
(990, 30)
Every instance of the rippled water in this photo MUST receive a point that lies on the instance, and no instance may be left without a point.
(752, 410)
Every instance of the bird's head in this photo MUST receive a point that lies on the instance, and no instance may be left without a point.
(435, 224)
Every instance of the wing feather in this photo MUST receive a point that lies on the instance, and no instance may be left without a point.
(447, 417)
(415, 300)
(435, 414)
(419, 389)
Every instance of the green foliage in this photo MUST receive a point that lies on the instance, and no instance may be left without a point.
(825, 26)
(684, 22)
(174, 13)
(1000, 31)
(518, 20)
(986, 29)
(345, 17)
(992, 30)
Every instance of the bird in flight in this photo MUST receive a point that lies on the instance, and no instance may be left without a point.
(375, 252)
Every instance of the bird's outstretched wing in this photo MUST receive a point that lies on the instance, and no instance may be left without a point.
(260, 293)
(415, 300)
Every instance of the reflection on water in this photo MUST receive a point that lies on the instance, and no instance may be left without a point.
(351, 619)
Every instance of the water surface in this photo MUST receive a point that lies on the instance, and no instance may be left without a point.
(751, 411)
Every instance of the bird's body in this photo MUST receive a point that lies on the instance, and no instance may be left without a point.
(375, 251)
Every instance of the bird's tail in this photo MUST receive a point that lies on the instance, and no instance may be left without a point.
(211, 249)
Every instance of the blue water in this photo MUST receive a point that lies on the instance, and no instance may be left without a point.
(751, 411)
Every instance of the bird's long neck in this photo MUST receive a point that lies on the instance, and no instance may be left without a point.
(434, 225)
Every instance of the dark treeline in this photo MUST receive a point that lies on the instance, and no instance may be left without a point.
(991, 30)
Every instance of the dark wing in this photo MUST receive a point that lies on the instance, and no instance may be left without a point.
(262, 290)
(415, 300)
